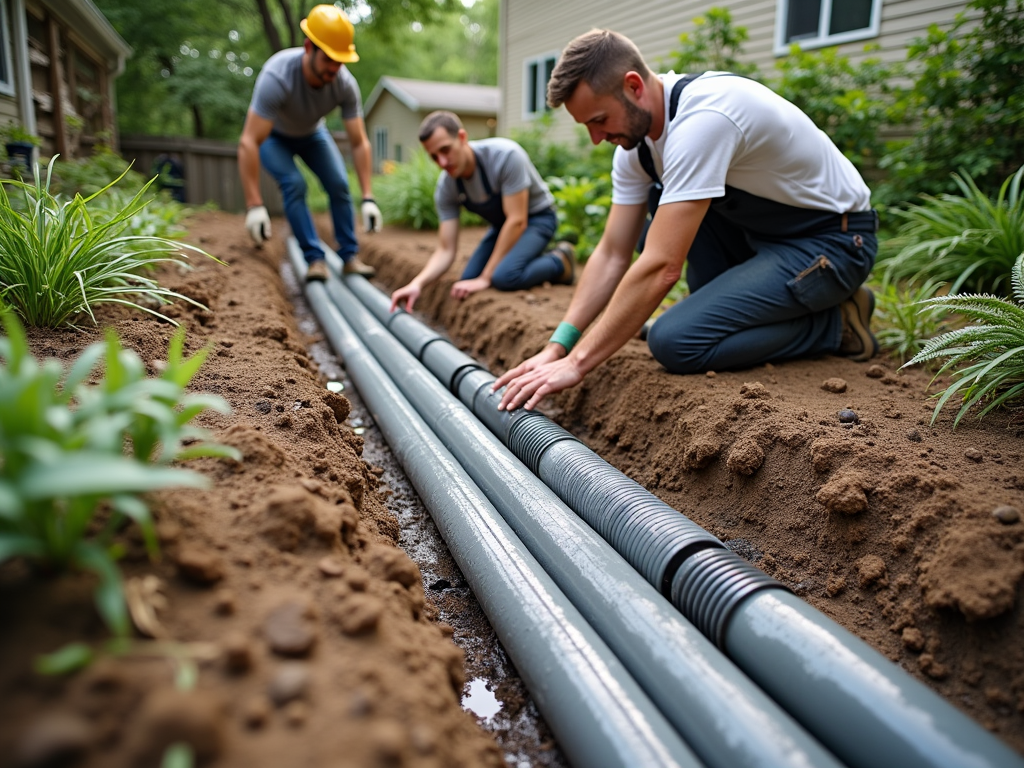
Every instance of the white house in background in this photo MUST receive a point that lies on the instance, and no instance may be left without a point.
(533, 32)
(58, 62)
(397, 105)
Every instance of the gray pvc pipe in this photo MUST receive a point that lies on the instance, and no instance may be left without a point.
(728, 721)
(597, 711)
(884, 710)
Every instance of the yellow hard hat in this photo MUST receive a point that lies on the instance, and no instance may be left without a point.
(329, 29)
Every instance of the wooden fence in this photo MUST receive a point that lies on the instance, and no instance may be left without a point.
(210, 168)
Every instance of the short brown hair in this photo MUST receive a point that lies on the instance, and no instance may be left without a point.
(440, 119)
(600, 58)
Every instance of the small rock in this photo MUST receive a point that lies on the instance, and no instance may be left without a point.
(200, 565)
(256, 712)
(224, 602)
(711, 374)
(238, 653)
(872, 569)
(835, 585)
(330, 566)
(296, 714)
(1006, 514)
(835, 384)
(56, 738)
(913, 639)
(914, 436)
(290, 682)
(846, 416)
(875, 371)
(287, 630)
(974, 455)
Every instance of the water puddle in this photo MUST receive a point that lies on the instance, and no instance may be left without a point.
(480, 701)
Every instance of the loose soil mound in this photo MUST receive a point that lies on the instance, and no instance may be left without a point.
(314, 640)
(907, 533)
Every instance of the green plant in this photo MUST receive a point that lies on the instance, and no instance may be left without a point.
(904, 325)
(582, 206)
(966, 240)
(58, 260)
(967, 100)
(851, 103)
(986, 358)
(406, 195)
(66, 483)
(714, 44)
(88, 175)
(14, 133)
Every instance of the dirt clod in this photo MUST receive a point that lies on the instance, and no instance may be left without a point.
(199, 564)
(170, 716)
(289, 682)
(834, 385)
(288, 629)
(847, 416)
(54, 739)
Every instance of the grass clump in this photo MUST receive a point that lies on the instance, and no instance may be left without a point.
(76, 457)
(906, 325)
(61, 257)
(968, 241)
(986, 357)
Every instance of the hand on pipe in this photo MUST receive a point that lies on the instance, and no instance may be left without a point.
(530, 388)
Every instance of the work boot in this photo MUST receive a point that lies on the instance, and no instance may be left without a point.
(355, 267)
(317, 272)
(858, 343)
(567, 253)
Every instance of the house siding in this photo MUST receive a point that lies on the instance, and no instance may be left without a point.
(531, 28)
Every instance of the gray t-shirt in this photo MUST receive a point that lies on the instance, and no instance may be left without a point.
(282, 95)
(508, 169)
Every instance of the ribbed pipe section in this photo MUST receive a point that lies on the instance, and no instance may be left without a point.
(859, 704)
(728, 721)
(599, 714)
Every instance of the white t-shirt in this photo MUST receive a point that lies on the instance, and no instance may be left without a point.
(733, 131)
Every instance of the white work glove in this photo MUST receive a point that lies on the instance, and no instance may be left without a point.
(257, 221)
(372, 220)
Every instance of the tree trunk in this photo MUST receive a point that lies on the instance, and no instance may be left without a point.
(273, 37)
(197, 121)
(290, 23)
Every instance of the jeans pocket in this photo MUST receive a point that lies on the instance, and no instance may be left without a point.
(819, 286)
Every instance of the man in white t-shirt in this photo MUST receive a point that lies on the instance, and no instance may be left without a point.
(495, 179)
(773, 223)
(293, 92)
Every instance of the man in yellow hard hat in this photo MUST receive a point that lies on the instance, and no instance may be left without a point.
(295, 89)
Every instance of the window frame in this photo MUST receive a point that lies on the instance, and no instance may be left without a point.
(824, 40)
(6, 86)
(380, 148)
(540, 60)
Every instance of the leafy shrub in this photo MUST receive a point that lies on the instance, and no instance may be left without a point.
(58, 259)
(66, 484)
(851, 103)
(406, 195)
(905, 325)
(582, 206)
(715, 44)
(88, 175)
(966, 240)
(968, 100)
(986, 358)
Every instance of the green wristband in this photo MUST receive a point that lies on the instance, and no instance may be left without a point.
(567, 335)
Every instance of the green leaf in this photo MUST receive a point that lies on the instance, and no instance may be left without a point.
(70, 658)
(94, 474)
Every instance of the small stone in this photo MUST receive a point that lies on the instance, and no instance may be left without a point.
(974, 455)
(256, 712)
(199, 565)
(913, 639)
(55, 738)
(846, 416)
(330, 566)
(914, 436)
(875, 372)
(224, 602)
(1006, 514)
(238, 655)
(296, 713)
(287, 630)
(290, 682)
(711, 374)
(835, 384)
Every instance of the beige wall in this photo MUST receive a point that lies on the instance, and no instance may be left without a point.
(535, 27)
(402, 125)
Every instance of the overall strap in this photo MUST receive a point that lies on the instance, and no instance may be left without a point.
(483, 178)
(642, 150)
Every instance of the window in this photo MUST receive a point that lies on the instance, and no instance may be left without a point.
(380, 148)
(818, 23)
(536, 73)
(6, 71)
(398, 153)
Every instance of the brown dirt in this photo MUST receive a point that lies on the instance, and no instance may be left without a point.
(317, 642)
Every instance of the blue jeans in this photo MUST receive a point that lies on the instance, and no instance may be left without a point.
(526, 264)
(320, 153)
(756, 301)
